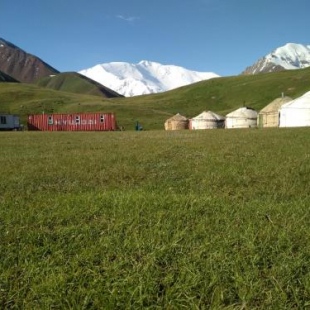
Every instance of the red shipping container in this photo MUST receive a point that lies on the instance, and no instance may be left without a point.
(72, 122)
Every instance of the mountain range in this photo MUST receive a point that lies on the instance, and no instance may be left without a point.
(127, 79)
(148, 77)
(145, 77)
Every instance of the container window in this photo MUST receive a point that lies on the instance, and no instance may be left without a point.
(101, 118)
(50, 120)
(77, 119)
(3, 120)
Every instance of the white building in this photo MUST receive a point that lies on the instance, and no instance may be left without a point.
(269, 115)
(207, 120)
(296, 113)
(242, 118)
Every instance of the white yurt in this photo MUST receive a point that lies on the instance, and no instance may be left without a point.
(269, 115)
(244, 117)
(176, 122)
(207, 120)
(296, 113)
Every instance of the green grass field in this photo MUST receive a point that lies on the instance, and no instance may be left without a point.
(215, 219)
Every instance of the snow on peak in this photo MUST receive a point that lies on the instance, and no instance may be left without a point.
(288, 57)
(291, 56)
(144, 77)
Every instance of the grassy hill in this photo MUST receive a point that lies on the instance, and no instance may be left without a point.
(77, 83)
(221, 95)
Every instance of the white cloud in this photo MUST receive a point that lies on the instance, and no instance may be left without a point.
(128, 18)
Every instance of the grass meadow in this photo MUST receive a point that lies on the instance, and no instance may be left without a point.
(215, 219)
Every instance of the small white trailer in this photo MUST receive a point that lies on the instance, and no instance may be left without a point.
(9, 122)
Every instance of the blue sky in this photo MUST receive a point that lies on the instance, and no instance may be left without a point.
(221, 36)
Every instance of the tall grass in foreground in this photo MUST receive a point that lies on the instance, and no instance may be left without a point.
(215, 219)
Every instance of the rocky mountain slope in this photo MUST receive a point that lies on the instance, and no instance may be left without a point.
(6, 78)
(288, 57)
(145, 77)
(22, 66)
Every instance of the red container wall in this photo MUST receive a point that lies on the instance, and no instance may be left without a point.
(72, 122)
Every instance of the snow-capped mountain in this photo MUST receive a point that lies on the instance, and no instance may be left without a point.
(145, 77)
(288, 57)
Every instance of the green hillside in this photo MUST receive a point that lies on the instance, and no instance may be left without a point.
(221, 95)
(76, 83)
(225, 94)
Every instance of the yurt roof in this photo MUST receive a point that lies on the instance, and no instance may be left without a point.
(209, 115)
(177, 117)
(276, 104)
(302, 102)
(244, 112)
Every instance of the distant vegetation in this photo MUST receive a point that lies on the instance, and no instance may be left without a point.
(76, 83)
(221, 95)
(215, 219)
